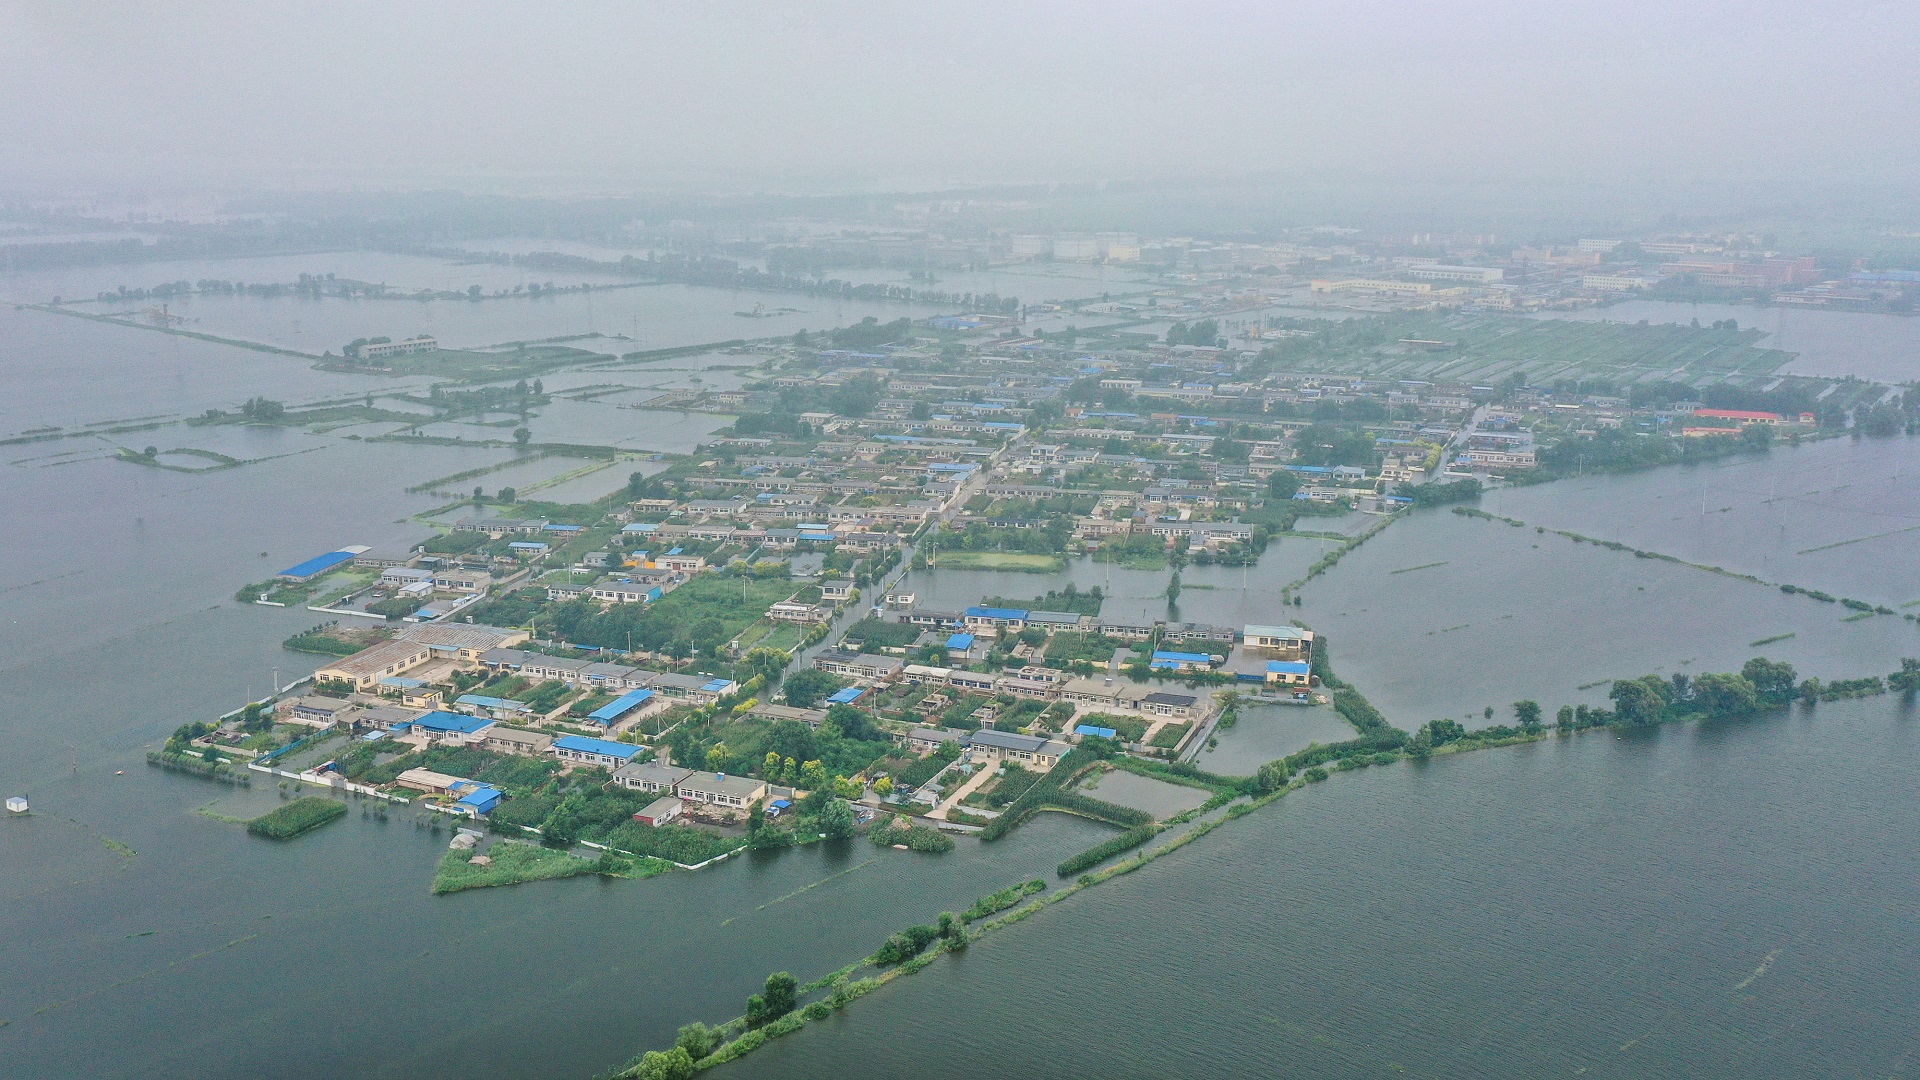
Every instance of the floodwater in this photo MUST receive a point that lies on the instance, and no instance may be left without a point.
(1883, 348)
(1708, 900)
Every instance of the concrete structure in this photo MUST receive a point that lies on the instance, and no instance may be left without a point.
(602, 752)
(660, 811)
(1013, 746)
(868, 666)
(514, 741)
(719, 789)
(1289, 673)
(650, 776)
(1282, 642)
(364, 669)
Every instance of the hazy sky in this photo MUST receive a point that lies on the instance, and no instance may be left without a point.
(909, 92)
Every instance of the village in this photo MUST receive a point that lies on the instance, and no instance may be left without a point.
(730, 651)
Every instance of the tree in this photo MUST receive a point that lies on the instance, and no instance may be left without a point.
(717, 757)
(674, 1064)
(1564, 718)
(1773, 680)
(1639, 701)
(836, 820)
(804, 689)
(814, 775)
(1907, 679)
(521, 436)
(506, 494)
(1528, 713)
(1283, 484)
(780, 995)
(1722, 696)
(698, 1040)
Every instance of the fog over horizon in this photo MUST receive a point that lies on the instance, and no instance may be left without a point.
(603, 97)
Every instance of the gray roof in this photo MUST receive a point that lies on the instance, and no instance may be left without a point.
(665, 776)
(1006, 740)
(1164, 698)
(737, 787)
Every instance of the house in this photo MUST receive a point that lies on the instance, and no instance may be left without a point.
(320, 712)
(1285, 642)
(922, 740)
(719, 789)
(660, 811)
(1033, 682)
(364, 669)
(455, 579)
(697, 688)
(384, 717)
(1107, 694)
(790, 611)
(428, 781)
(477, 799)
(1180, 661)
(1161, 703)
(515, 741)
(1289, 673)
(628, 592)
(449, 727)
(650, 776)
(1013, 746)
(858, 665)
(497, 708)
(602, 752)
(837, 590)
(924, 675)
(463, 642)
(996, 618)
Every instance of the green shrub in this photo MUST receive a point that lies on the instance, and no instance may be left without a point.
(296, 817)
(1100, 853)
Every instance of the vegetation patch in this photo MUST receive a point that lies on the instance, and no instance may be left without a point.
(296, 817)
(510, 864)
(1020, 561)
(915, 837)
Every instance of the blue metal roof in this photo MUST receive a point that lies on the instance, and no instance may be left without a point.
(449, 721)
(718, 686)
(1003, 613)
(1289, 667)
(485, 702)
(583, 745)
(961, 642)
(317, 565)
(846, 696)
(482, 798)
(620, 706)
(1183, 657)
(1089, 729)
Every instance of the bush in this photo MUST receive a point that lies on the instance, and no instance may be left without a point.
(1100, 853)
(296, 817)
(993, 903)
(916, 837)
